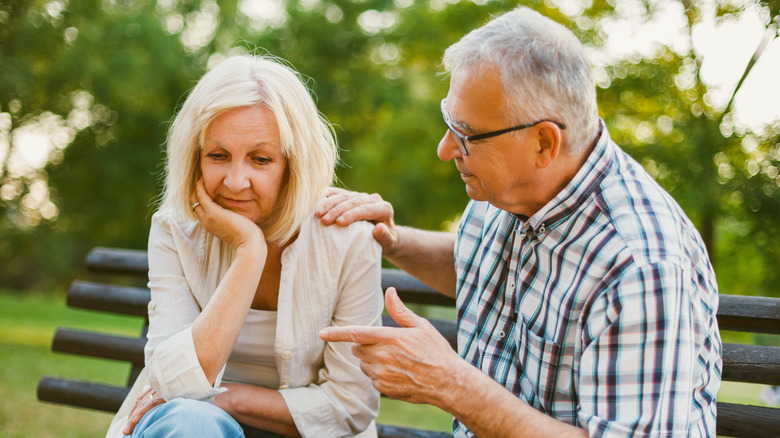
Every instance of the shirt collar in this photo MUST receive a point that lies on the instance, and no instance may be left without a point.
(580, 187)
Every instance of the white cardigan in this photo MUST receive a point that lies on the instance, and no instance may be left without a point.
(330, 276)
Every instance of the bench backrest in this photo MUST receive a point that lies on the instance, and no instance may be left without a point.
(741, 362)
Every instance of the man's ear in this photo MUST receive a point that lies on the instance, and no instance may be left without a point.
(549, 143)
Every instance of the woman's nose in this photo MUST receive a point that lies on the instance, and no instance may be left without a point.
(237, 178)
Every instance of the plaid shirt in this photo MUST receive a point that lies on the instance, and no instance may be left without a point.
(599, 310)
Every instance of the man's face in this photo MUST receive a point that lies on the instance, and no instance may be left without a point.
(499, 169)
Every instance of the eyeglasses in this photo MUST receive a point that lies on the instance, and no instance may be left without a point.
(464, 139)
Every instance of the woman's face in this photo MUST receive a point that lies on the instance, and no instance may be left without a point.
(242, 162)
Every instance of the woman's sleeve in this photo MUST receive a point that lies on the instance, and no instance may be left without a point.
(171, 361)
(343, 402)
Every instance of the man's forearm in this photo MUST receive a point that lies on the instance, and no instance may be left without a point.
(428, 256)
(490, 410)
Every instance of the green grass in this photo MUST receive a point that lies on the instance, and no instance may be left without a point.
(27, 324)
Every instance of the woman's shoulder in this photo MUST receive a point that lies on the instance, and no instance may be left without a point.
(354, 243)
(182, 228)
(357, 233)
(355, 230)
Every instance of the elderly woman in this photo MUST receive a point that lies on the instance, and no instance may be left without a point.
(243, 276)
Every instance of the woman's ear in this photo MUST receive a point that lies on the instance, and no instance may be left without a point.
(549, 143)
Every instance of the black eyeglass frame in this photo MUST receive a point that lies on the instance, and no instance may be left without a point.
(470, 138)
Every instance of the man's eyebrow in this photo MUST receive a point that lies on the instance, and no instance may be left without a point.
(464, 127)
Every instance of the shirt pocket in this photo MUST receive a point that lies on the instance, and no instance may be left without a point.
(538, 362)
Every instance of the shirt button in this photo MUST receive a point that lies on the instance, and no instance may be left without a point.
(511, 285)
(151, 306)
(283, 385)
(286, 355)
(501, 334)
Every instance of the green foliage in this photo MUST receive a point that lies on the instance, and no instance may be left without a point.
(112, 73)
(659, 110)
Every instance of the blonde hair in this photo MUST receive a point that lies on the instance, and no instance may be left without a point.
(307, 139)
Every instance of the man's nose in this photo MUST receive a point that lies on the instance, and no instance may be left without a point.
(448, 147)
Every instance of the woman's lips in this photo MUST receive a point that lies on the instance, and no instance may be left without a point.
(233, 203)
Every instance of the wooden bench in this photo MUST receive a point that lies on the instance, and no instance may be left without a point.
(741, 362)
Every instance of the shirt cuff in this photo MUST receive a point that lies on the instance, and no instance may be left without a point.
(174, 370)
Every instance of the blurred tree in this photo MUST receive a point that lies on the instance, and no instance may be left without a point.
(109, 76)
(101, 78)
(663, 113)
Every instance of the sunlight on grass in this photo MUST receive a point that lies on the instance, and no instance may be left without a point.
(22, 415)
(742, 393)
(419, 416)
(27, 325)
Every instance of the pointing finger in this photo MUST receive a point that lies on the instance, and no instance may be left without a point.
(356, 334)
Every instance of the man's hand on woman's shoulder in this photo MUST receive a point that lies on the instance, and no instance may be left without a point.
(343, 207)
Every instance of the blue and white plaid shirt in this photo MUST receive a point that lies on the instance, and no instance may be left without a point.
(599, 310)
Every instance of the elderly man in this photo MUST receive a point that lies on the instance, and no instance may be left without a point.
(586, 301)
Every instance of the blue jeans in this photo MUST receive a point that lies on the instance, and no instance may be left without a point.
(187, 418)
(182, 417)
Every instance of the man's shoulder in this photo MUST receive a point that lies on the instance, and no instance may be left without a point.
(644, 216)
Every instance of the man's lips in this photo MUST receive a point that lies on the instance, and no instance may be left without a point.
(463, 174)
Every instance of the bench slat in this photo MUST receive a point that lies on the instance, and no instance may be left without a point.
(386, 431)
(751, 363)
(99, 345)
(80, 393)
(118, 261)
(749, 314)
(123, 300)
(413, 290)
(747, 421)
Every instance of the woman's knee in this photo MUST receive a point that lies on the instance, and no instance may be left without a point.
(186, 418)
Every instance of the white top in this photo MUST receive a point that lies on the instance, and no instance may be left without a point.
(252, 360)
(331, 276)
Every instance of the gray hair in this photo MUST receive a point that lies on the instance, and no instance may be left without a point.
(307, 139)
(544, 71)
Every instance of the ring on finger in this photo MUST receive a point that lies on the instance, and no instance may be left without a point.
(195, 205)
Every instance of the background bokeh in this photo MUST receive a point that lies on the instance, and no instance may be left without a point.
(88, 87)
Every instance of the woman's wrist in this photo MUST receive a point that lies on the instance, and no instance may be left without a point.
(253, 245)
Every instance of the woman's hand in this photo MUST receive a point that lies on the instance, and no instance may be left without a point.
(148, 400)
(228, 226)
(258, 407)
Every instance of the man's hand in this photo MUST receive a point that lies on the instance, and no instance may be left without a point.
(416, 364)
(146, 401)
(343, 207)
(412, 363)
